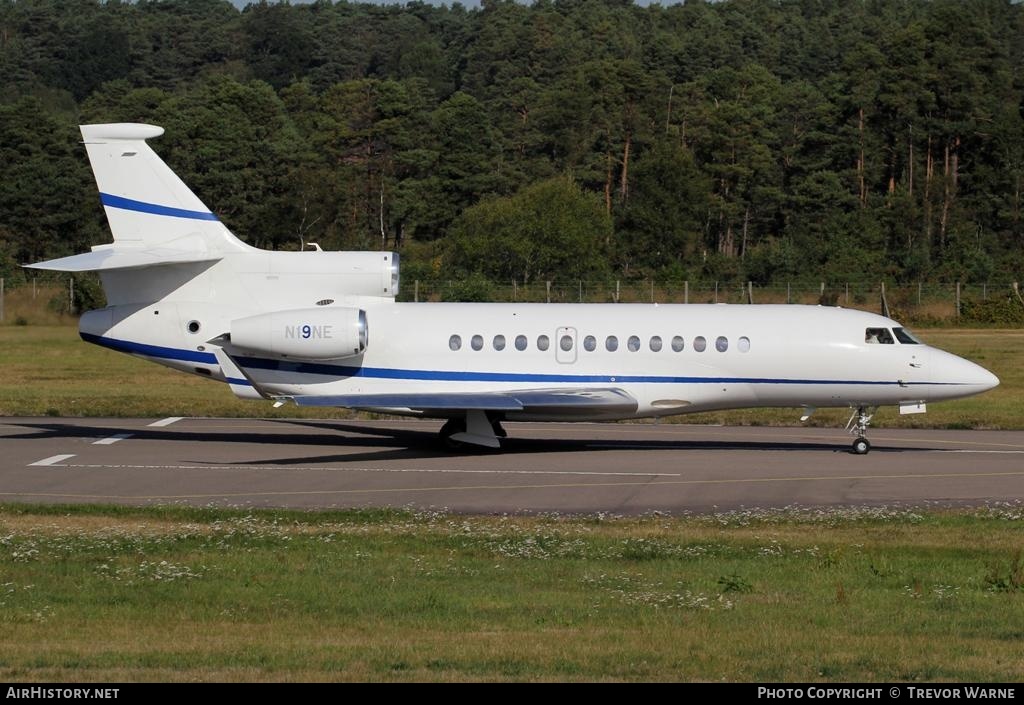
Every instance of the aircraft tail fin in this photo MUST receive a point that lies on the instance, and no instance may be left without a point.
(164, 236)
(146, 203)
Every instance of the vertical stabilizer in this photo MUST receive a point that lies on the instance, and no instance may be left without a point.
(147, 205)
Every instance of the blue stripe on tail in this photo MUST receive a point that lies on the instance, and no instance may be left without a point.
(129, 204)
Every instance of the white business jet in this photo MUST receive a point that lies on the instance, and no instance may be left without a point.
(323, 329)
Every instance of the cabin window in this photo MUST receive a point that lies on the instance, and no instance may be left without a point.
(193, 326)
(721, 343)
(677, 343)
(455, 342)
(521, 342)
(499, 342)
(543, 342)
(743, 344)
(565, 343)
(655, 343)
(477, 342)
(590, 343)
(700, 343)
(611, 343)
(905, 336)
(633, 343)
(877, 336)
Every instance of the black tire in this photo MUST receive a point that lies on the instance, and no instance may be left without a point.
(861, 446)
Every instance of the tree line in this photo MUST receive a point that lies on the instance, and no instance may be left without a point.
(742, 140)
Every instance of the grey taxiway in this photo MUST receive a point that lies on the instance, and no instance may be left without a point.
(565, 468)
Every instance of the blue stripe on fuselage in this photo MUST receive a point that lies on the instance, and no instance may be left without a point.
(339, 371)
(127, 346)
(129, 204)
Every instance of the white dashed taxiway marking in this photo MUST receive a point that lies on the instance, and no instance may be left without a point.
(166, 422)
(52, 460)
(112, 439)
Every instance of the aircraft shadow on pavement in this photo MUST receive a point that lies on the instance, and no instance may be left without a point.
(398, 443)
(425, 444)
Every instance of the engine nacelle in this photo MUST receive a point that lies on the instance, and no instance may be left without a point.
(304, 334)
(336, 274)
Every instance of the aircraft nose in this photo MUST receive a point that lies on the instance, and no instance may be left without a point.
(985, 379)
(964, 376)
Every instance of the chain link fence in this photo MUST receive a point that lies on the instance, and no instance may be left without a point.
(925, 302)
(917, 302)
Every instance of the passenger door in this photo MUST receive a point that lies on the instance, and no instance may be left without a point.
(565, 345)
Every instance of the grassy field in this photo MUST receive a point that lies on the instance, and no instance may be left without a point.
(833, 595)
(170, 593)
(47, 370)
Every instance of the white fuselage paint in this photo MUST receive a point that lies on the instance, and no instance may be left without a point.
(798, 355)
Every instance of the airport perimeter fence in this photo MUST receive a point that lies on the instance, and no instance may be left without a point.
(919, 302)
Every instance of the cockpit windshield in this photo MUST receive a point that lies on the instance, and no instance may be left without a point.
(883, 336)
(906, 337)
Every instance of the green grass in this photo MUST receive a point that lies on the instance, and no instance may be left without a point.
(127, 594)
(48, 370)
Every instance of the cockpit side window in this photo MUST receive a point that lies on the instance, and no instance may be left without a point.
(878, 336)
(905, 336)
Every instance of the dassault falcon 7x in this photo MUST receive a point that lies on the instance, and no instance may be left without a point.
(323, 329)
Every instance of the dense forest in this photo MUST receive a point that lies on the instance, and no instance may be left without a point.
(740, 140)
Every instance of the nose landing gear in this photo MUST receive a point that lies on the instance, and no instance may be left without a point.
(858, 426)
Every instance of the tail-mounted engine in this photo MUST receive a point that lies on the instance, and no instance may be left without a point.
(303, 334)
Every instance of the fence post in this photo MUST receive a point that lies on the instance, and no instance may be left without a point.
(581, 291)
(652, 290)
(548, 284)
(686, 291)
(919, 294)
(788, 298)
(1, 299)
(416, 290)
(958, 302)
(716, 292)
(821, 294)
(33, 288)
(750, 292)
(847, 293)
(616, 291)
(71, 295)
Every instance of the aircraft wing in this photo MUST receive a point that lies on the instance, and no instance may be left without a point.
(547, 401)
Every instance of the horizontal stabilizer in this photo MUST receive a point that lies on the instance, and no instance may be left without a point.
(550, 401)
(106, 258)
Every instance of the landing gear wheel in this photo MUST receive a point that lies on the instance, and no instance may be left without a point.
(858, 426)
(861, 446)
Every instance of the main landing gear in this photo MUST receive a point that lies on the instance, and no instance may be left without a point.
(476, 428)
(858, 426)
